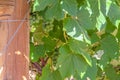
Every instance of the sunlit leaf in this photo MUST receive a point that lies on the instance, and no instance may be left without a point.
(79, 48)
(91, 72)
(113, 13)
(42, 4)
(84, 19)
(73, 29)
(69, 58)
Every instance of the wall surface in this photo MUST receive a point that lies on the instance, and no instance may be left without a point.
(14, 40)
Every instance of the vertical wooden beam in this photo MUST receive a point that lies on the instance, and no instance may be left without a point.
(3, 42)
(14, 63)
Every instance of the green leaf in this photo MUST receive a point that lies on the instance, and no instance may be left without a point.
(111, 73)
(100, 22)
(45, 73)
(80, 48)
(94, 38)
(91, 72)
(113, 13)
(49, 44)
(97, 10)
(118, 33)
(109, 27)
(55, 76)
(73, 29)
(55, 11)
(69, 62)
(83, 22)
(103, 7)
(40, 5)
(111, 49)
(69, 6)
(94, 8)
(34, 57)
(84, 19)
(48, 75)
(104, 61)
(110, 46)
(40, 50)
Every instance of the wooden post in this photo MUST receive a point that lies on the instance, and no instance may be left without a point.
(14, 42)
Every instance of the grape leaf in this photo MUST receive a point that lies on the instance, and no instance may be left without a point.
(94, 8)
(111, 49)
(103, 7)
(80, 48)
(113, 13)
(109, 26)
(94, 38)
(55, 11)
(83, 22)
(34, 57)
(69, 62)
(48, 75)
(49, 44)
(84, 19)
(39, 51)
(40, 5)
(91, 72)
(111, 73)
(110, 46)
(73, 29)
(69, 6)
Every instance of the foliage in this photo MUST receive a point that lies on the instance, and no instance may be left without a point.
(75, 39)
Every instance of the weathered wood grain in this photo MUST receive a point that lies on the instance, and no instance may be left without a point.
(6, 8)
(14, 63)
